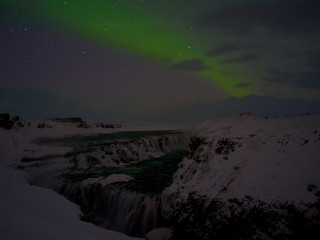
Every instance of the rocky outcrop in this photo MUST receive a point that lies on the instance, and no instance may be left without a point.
(67, 120)
(82, 124)
(103, 125)
(85, 158)
(127, 151)
(7, 122)
(246, 177)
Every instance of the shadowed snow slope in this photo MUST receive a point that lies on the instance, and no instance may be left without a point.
(272, 159)
(236, 163)
(30, 212)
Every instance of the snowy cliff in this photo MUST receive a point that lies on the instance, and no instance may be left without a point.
(248, 176)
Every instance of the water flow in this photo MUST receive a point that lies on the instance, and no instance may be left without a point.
(132, 213)
(116, 208)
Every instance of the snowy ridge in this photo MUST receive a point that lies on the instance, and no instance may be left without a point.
(250, 159)
(253, 156)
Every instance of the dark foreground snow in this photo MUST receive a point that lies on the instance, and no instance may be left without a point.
(31, 212)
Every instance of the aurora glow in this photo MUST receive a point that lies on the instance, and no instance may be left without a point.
(133, 25)
(221, 48)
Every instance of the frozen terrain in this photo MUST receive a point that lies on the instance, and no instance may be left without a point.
(242, 177)
(249, 170)
(44, 151)
(31, 212)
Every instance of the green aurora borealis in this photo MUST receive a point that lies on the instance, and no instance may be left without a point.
(144, 27)
(159, 60)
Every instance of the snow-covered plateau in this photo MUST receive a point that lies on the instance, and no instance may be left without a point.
(247, 177)
(242, 177)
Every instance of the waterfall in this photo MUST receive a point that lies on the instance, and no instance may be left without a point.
(148, 147)
(132, 213)
(116, 208)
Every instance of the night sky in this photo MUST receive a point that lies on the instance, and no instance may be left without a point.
(158, 61)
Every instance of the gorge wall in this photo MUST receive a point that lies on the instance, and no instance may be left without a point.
(246, 177)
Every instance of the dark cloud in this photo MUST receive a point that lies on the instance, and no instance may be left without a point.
(242, 85)
(246, 57)
(190, 65)
(231, 48)
(287, 16)
(303, 79)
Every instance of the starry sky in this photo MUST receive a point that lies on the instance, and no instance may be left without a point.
(152, 61)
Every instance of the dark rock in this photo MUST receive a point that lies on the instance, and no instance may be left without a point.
(83, 125)
(247, 218)
(67, 120)
(43, 125)
(311, 187)
(225, 146)
(195, 143)
(102, 125)
(5, 121)
(92, 161)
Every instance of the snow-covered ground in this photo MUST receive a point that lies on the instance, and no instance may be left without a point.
(237, 168)
(270, 159)
(262, 173)
(31, 212)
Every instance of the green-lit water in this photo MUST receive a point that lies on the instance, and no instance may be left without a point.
(150, 176)
(95, 139)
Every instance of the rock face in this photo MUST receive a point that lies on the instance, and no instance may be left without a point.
(67, 120)
(103, 125)
(7, 122)
(246, 177)
(92, 156)
(82, 124)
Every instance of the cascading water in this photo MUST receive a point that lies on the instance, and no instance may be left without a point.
(116, 208)
(132, 213)
(147, 162)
